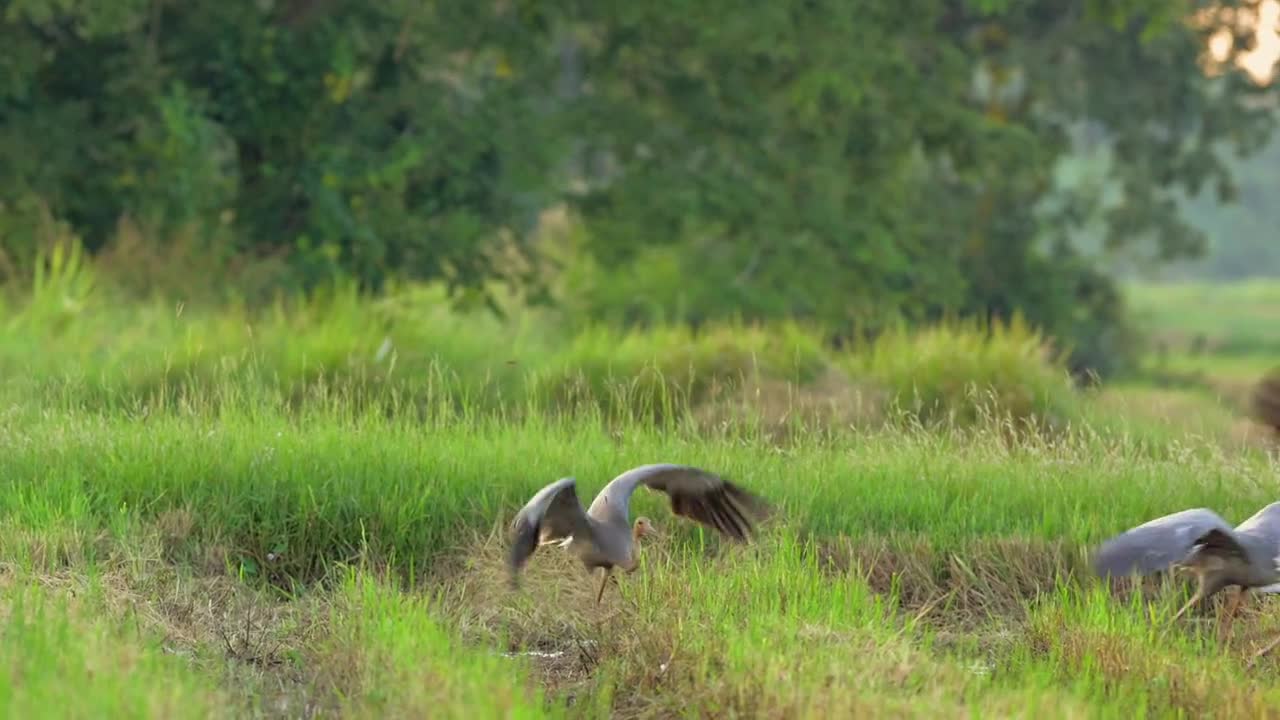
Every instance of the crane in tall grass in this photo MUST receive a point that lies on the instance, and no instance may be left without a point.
(603, 537)
(1200, 542)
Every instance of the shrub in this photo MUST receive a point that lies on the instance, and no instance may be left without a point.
(663, 372)
(958, 371)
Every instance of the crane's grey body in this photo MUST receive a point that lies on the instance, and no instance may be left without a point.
(602, 536)
(558, 514)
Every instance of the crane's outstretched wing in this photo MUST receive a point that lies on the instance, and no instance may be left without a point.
(695, 493)
(1156, 545)
(1264, 524)
(554, 513)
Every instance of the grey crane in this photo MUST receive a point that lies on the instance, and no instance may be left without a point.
(1201, 542)
(602, 536)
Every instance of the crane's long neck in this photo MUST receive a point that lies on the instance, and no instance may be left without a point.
(636, 535)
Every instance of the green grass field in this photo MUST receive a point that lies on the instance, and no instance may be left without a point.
(1208, 347)
(1238, 319)
(216, 513)
(1219, 338)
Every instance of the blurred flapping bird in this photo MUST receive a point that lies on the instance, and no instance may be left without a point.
(1202, 543)
(603, 537)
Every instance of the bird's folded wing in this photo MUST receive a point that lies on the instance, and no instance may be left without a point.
(554, 513)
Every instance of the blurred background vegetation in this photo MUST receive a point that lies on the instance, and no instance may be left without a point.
(851, 168)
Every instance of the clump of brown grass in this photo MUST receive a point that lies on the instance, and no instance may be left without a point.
(992, 578)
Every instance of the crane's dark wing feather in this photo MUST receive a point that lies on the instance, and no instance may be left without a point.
(1156, 545)
(1222, 541)
(554, 513)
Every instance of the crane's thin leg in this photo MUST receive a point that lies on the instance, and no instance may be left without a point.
(1199, 594)
(604, 580)
(1233, 606)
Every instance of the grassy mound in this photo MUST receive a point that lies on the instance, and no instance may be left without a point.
(958, 372)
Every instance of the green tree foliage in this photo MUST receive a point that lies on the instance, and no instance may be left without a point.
(357, 137)
(851, 173)
(848, 162)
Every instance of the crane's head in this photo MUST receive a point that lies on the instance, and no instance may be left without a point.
(1205, 560)
(644, 528)
(1216, 560)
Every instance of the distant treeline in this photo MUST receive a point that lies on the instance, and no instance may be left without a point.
(846, 163)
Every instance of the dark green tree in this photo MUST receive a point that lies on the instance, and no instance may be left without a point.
(367, 139)
(856, 161)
